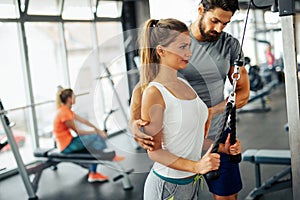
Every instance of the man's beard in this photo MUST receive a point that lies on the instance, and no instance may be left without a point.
(207, 36)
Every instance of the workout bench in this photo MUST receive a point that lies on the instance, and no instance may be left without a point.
(52, 157)
(276, 182)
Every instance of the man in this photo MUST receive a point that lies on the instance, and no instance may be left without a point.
(214, 52)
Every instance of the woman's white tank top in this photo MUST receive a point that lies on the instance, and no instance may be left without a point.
(183, 129)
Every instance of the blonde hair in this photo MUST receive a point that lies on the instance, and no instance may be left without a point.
(156, 32)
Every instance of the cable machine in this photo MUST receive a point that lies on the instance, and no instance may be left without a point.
(286, 13)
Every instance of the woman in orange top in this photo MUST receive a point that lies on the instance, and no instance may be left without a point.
(91, 140)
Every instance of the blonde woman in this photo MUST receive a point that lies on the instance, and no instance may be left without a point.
(175, 115)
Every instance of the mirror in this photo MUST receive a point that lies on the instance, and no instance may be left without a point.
(263, 3)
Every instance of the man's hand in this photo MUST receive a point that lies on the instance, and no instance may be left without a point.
(144, 140)
(234, 149)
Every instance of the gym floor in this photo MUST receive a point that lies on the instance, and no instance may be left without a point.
(256, 131)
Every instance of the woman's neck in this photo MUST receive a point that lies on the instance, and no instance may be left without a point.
(68, 105)
(166, 74)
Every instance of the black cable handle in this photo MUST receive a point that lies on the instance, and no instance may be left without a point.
(232, 124)
(212, 175)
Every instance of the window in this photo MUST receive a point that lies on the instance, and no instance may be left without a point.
(111, 53)
(109, 9)
(8, 9)
(79, 46)
(13, 95)
(45, 58)
(22, 137)
(11, 69)
(44, 47)
(45, 7)
(77, 9)
(185, 11)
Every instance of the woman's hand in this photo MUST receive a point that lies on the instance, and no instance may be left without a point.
(209, 162)
(103, 134)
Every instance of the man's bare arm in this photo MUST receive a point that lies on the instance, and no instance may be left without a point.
(242, 87)
(242, 92)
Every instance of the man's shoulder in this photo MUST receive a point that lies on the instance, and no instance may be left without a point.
(227, 37)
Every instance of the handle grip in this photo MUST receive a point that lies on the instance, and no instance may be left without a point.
(215, 174)
(235, 158)
(212, 175)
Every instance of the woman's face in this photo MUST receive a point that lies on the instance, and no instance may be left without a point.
(72, 100)
(177, 54)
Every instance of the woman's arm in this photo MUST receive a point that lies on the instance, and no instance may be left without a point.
(135, 122)
(152, 110)
(86, 122)
(209, 162)
(71, 124)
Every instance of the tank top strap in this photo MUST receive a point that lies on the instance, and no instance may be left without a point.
(164, 92)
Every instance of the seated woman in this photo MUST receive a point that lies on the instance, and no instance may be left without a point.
(86, 140)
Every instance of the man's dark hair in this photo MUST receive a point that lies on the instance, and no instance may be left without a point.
(227, 5)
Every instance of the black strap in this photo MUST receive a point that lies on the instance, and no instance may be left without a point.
(3, 112)
(218, 140)
(232, 125)
(244, 31)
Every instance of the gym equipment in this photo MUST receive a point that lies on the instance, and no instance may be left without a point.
(272, 157)
(3, 144)
(286, 127)
(22, 170)
(259, 88)
(286, 12)
(52, 157)
(230, 110)
(112, 84)
(256, 82)
(262, 95)
(263, 4)
(262, 83)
